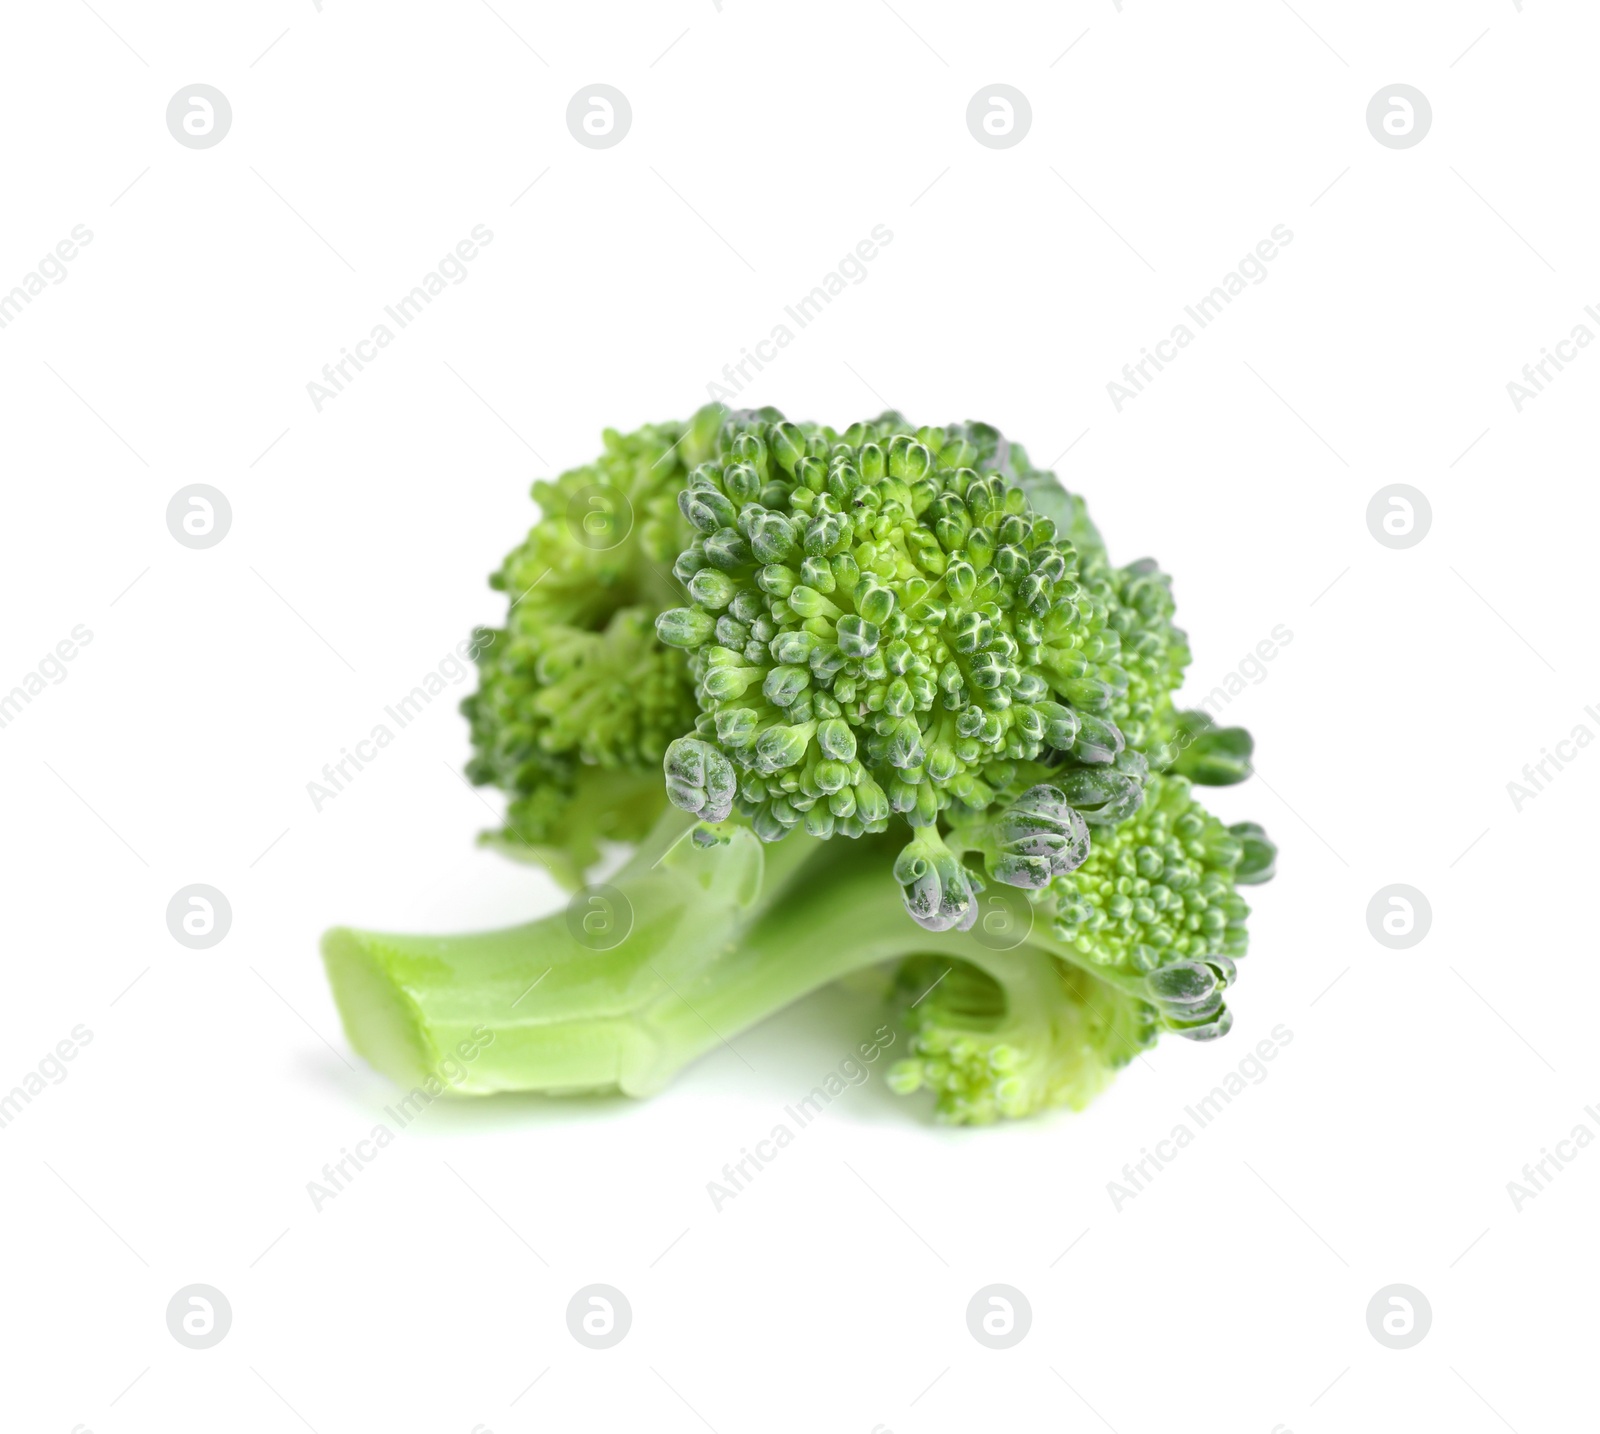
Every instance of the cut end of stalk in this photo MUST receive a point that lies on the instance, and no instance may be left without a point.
(381, 1021)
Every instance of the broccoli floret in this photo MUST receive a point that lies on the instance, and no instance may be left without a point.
(1154, 907)
(577, 700)
(1018, 1033)
(908, 679)
(881, 629)
(1204, 752)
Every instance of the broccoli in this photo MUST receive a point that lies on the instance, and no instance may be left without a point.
(863, 699)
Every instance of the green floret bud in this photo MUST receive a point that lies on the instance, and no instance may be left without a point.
(1188, 994)
(1037, 838)
(939, 892)
(778, 748)
(1208, 754)
(1155, 909)
(836, 740)
(1111, 793)
(700, 779)
(1258, 856)
(685, 627)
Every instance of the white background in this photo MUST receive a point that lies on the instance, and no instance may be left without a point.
(767, 140)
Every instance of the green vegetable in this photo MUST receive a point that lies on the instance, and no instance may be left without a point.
(852, 698)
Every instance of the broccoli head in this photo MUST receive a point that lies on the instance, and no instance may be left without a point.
(882, 628)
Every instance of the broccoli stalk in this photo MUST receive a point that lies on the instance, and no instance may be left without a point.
(723, 930)
(722, 936)
(569, 1011)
